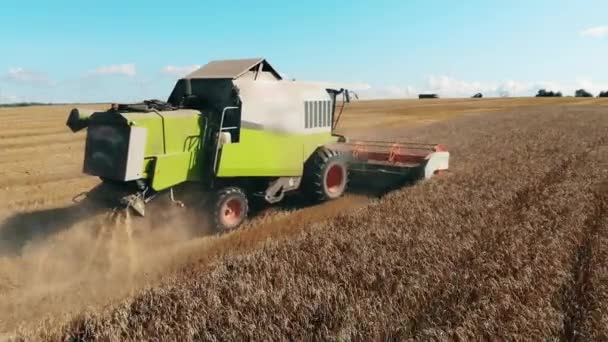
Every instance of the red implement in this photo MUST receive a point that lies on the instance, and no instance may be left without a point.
(397, 157)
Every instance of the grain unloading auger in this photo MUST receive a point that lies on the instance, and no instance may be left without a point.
(237, 130)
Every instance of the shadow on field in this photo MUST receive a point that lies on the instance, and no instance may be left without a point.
(22, 228)
(369, 186)
(35, 226)
(376, 186)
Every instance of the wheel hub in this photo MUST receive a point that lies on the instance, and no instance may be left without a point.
(334, 179)
(232, 212)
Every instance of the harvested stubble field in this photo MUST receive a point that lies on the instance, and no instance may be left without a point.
(511, 243)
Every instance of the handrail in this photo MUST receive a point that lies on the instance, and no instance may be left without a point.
(217, 143)
(162, 121)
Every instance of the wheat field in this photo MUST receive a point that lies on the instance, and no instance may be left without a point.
(510, 243)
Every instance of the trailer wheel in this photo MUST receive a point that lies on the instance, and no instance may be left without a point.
(325, 175)
(230, 210)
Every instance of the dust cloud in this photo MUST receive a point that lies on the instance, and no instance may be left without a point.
(98, 258)
(88, 262)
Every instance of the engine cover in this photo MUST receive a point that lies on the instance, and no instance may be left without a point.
(115, 152)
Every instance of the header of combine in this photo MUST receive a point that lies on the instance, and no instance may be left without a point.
(238, 129)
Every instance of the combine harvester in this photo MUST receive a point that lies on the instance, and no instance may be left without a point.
(236, 129)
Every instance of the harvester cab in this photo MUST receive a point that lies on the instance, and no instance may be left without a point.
(237, 130)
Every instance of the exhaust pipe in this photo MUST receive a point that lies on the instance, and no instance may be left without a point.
(79, 119)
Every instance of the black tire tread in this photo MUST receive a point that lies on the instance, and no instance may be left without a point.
(313, 173)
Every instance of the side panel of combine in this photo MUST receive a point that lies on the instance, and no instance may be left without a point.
(172, 152)
(268, 154)
(183, 142)
(171, 169)
(282, 124)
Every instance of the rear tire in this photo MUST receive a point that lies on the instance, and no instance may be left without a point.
(325, 175)
(230, 209)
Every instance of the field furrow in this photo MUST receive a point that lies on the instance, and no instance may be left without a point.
(517, 230)
(37, 141)
(29, 132)
(587, 313)
(35, 176)
(34, 152)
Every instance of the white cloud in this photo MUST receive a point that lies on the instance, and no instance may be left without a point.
(385, 92)
(513, 88)
(592, 86)
(446, 86)
(20, 84)
(449, 87)
(366, 91)
(595, 32)
(7, 98)
(21, 75)
(178, 71)
(128, 70)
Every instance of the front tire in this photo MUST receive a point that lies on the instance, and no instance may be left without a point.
(230, 210)
(325, 175)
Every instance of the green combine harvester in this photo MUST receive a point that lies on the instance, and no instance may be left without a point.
(236, 129)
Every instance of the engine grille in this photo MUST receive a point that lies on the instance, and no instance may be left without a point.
(106, 151)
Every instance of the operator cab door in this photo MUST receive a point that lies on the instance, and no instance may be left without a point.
(232, 124)
(229, 132)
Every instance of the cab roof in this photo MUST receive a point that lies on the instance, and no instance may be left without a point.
(233, 69)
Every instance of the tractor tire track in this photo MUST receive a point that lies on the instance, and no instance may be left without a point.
(22, 153)
(562, 221)
(21, 133)
(13, 143)
(577, 298)
(32, 178)
(511, 214)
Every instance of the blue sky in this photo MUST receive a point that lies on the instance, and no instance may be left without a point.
(133, 50)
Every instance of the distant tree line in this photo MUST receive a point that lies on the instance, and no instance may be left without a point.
(24, 104)
(582, 93)
(578, 93)
(545, 93)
